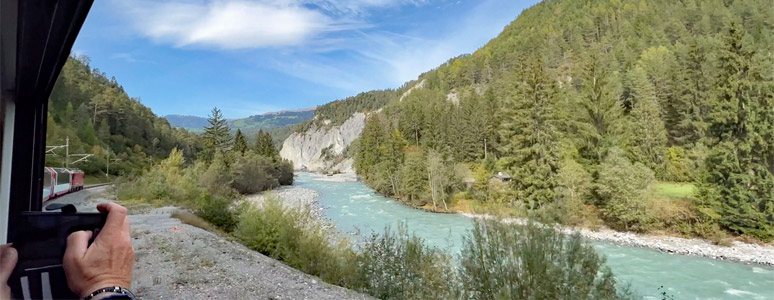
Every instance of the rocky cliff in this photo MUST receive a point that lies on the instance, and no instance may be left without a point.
(317, 148)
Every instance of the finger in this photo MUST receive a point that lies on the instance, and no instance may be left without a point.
(126, 226)
(77, 244)
(115, 219)
(8, 259)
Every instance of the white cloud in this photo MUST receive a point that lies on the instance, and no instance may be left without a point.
(230, 24)
(301, 34)
(247, 24)
(360, 7)
(128, 57)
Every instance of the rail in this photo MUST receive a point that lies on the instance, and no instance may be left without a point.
(91, 186)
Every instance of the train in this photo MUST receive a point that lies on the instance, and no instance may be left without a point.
(60, 181)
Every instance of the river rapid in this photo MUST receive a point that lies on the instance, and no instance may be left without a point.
(355, 208)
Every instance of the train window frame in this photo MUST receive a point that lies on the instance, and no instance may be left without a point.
(36, 37)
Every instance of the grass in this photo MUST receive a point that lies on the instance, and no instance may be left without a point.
(191, 219)
(675, 190)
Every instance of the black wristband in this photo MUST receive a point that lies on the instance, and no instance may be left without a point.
(112, 289)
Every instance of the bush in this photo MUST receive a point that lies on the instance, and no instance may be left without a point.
(395, 265)
(295, 237)
(285, 170)
(217, 210)
(498, 261)
(672, 213)
(624, 189)
(678, 166)
(253, 173)
(510, 261)
(217, 178)
(575, 185)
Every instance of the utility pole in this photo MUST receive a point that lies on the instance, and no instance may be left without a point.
(83, 157)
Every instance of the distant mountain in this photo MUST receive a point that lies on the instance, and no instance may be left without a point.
(191, 123)
(249, 124)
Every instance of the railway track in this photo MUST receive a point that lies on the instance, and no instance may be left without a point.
(91, 186)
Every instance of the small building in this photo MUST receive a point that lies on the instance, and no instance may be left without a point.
(502, 177)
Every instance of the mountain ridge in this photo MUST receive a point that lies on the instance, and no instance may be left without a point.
(248, 124)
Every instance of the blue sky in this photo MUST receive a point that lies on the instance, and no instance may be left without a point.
(250, 57)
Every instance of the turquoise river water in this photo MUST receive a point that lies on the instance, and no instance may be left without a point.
(354, 207)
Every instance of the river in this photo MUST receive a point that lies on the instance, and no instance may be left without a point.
(354, 207)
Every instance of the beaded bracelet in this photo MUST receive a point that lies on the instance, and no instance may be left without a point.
(112, 289)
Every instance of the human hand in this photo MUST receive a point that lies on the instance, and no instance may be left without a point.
(108, 261)
(8, 259)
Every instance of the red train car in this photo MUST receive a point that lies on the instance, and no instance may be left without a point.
(60, 181)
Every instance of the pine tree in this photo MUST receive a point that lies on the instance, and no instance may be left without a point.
(87, 134)
(473, 116)
(240, 143)
(392, 155)
(413, 176)
(601, 113)
(737, 186)
(216, 136)
(692, 104)
(530, 137)
(367, 154)
(658, 64)
(264, 144)
(648, 136)
(490, 106)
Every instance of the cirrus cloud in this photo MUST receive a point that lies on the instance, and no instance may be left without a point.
(243, 24)
(231, 24)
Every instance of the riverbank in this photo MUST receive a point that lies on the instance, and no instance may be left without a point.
(340, 177)
(738, 251)
(293, 196)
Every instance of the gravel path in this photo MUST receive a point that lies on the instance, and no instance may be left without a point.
(739, 251)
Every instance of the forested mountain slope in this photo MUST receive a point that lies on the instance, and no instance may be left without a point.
(99, 118)
(587, 103)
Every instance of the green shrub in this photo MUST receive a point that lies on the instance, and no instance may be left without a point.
(217, 178)
(678, 166)
(396, 265)
(295, 237)
(285, 171)
(575, 185)
(253, 173)
(510, 261)
(624, 190)
(217, 210)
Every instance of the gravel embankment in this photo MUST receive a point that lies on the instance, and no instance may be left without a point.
(179, 261)
(293, 196)
(739, 251)
(341, 177)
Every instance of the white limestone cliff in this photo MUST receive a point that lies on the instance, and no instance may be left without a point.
(305, 149)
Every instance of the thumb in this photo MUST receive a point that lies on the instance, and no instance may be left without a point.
(77, 243)
(8, 259)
